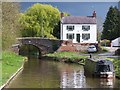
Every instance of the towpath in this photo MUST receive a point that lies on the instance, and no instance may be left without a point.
(110, 54)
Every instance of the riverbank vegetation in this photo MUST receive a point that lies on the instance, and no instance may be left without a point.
(10, 31)
(116, 63)
(10, 24)
(70, 57)
(11, 62)
(102, 50)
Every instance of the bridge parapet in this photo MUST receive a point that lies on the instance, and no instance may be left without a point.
(43, 44)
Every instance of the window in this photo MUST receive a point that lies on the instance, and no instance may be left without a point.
(85, 28)
(70, 36)
(70, 28)
(86, 36)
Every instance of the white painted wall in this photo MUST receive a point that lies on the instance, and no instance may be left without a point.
(78, 30)
(116, 42)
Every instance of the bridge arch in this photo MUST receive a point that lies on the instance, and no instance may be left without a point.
(22, 49)
(44, 45)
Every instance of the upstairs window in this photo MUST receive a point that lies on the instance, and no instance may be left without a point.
(70, 28)
(85, 28)
(86, 36)
(70, 36)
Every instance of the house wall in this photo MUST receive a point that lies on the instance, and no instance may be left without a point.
(78, 30)
(116, 42)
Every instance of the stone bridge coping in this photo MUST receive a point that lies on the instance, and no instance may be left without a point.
(45, 45)
(35, 38)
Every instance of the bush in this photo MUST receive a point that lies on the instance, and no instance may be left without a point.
(105, 42)
(117, 52)
(116, 63)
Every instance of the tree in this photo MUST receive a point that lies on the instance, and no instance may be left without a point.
(56, 30)
(111, 27)
(10, 25)
(39, 21)
(99, 27)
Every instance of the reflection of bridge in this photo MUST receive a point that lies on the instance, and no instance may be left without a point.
(44, 45)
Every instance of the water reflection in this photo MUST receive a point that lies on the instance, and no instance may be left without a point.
(51, 74)
(73, 79)
(107, 83)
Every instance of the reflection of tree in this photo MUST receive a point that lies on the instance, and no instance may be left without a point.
(40, 74)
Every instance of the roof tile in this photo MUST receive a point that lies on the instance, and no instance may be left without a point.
(78, 20)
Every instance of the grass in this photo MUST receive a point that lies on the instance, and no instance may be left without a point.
(11, 62)
(116, 63)
(68, 57)
(104, 49)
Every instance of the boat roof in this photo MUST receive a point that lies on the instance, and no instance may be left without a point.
(104, 62)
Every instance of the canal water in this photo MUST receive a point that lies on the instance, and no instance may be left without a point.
(52, 74)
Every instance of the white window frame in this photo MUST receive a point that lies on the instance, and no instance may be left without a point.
(86, 27)
(85, 38)
(70, 27)
(70, 37)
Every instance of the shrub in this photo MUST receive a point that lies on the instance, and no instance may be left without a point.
(105, 42)
(117, 52)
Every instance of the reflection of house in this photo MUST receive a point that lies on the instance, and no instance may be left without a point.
(79, 29)
(73, 80)
(116, 42)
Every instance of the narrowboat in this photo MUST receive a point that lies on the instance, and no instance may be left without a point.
(99, 68)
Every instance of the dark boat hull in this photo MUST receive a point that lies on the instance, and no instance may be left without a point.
(92, 68)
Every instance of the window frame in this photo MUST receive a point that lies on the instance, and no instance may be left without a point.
(84, 27)
(83, 37)
(68, 35)
(70, 27)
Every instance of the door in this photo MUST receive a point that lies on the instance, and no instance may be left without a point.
(78, 38)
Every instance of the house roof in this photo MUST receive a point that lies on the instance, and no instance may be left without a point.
(78, 20)
(117, 39)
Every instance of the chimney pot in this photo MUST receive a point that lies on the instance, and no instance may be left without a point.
(62, 14)
(94, 14)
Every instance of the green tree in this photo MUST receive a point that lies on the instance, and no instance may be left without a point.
(111, 27)
(56, 30)
(39, 21)
(10, 24)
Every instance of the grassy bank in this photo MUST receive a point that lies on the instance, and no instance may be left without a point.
(116, 63)
(11, 62)
(70, 57)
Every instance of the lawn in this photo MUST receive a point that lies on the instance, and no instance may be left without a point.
(11, 62)
(68, 57)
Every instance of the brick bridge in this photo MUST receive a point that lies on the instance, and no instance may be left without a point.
(44, 45)
(48, 45)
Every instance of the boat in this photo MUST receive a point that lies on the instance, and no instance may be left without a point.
(99, 68)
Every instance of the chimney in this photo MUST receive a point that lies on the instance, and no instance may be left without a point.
(62, 15)
(94, 14)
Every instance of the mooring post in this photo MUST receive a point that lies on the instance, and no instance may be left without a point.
(90, 55)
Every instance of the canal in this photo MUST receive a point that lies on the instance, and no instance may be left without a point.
(52, 74)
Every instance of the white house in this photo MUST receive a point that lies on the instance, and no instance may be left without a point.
(79, 29)
(116, 42)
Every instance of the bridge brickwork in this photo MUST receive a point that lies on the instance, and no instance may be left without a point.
(49, 45)
(44, 45)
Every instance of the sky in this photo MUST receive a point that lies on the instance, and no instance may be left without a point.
(77, 8)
